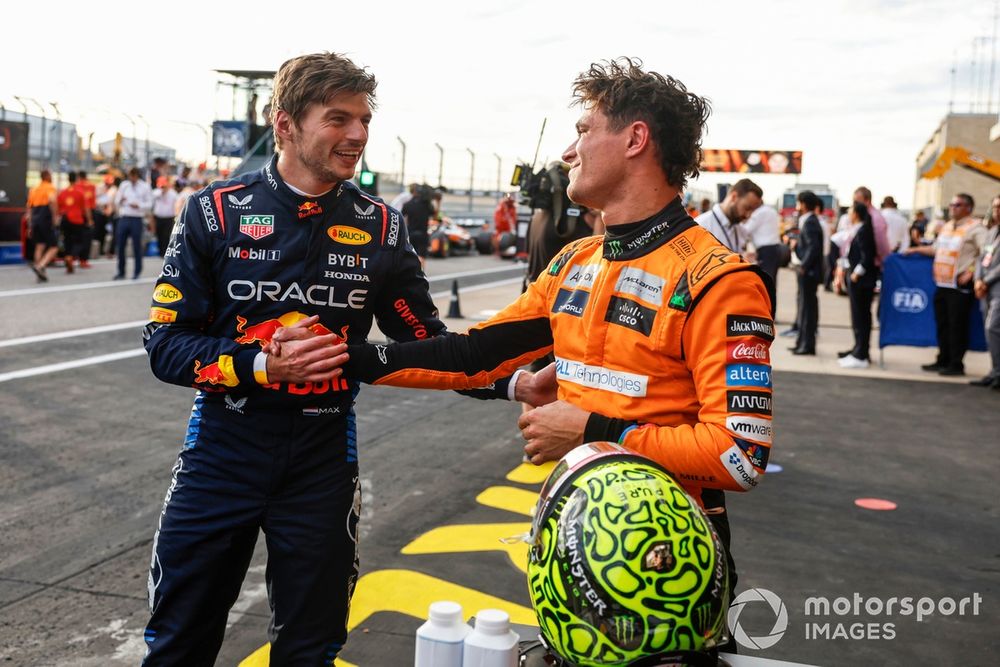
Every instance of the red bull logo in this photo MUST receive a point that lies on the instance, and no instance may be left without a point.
(309, 208)
(263, 332)
(219, 372)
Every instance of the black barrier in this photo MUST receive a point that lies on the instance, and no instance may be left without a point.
(13, 184)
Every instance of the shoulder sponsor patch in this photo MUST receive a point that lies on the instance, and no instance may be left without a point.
(571, 302)
(257, 226)
(638, 283)
(749, 325)
(749, 350)
(208, 213)
(681, 298)
(753, 428)
(757, 454)
(581, 275)
(596, 377)
(162, 315)
(629, 314)
(748, 375)
(559, 262)
(705, 266)
(681, 247)
(752, 402)
(166, 293)
(348, 235)
(739, 468)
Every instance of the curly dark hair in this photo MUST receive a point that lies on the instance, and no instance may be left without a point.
(625, 93)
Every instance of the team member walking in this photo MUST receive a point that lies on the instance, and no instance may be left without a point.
(43, 216)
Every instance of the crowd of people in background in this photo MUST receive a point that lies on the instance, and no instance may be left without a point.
(846, 257)
(105, 218)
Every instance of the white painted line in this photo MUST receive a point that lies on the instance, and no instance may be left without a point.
(72, 288)
(105, 358)
(68, 365)
(41, 338)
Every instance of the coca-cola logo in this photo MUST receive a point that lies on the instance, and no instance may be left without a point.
(747, 351)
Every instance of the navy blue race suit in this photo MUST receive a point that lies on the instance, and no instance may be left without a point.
(246, 257)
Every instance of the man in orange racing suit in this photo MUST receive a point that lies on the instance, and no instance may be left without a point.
(661, 335)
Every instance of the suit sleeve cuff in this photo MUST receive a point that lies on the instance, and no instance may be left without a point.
(605, 429)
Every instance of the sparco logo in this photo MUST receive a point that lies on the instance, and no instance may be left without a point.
(393, 229)
(206, 210)
(754, 402)
(319, 295)
(748, 325)
(745, 351)
(909, 300)
(236, 252)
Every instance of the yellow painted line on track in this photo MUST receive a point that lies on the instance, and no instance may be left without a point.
(411, 593)
(508, 498)
(474, 538)
(529, 473)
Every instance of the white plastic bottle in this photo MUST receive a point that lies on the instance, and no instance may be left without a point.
(439, 640)
(492, 643)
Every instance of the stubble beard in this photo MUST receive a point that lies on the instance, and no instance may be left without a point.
(312, 160)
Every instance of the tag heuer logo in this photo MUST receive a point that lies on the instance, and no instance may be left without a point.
(257, 226)
(364, 211)
(240, 202)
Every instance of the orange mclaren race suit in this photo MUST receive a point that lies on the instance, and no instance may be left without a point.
(658, 331)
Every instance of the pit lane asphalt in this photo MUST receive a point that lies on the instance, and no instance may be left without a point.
(87, 455)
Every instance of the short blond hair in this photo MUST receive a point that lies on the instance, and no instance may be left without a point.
(316, 77)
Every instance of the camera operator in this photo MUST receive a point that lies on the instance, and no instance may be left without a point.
(417, 213)
(555, 220)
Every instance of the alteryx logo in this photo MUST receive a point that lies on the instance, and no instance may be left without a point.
(748, 375)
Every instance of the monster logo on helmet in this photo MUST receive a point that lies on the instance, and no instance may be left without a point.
(624, 567)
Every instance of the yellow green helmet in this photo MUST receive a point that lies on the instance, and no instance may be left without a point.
(623, 565)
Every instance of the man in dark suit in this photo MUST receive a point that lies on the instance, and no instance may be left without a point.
(809, 250)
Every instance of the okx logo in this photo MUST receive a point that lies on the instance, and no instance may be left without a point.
(777, 607)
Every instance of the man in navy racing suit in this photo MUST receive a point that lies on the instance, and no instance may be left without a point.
(271, 442)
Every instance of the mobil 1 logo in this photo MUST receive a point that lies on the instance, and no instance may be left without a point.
(629, 314)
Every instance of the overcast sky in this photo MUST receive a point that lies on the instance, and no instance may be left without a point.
(858, 86)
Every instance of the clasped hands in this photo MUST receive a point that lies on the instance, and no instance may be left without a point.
(551, 428)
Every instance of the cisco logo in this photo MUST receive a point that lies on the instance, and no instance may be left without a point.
(909, 300)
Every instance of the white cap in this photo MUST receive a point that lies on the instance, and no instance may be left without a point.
(446, 612)
(493, 622)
